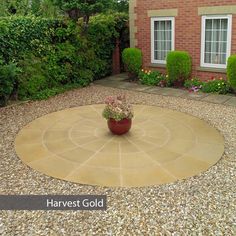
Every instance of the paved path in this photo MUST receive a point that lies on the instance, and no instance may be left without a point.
(121, 81)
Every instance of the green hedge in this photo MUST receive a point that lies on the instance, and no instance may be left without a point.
(102, 33)
(178, 66)
(231, 71)
(8, 74)
(132, 58)
(51, 53)
(26, 34)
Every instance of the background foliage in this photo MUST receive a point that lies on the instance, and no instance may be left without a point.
(56, 8)
(55, 54)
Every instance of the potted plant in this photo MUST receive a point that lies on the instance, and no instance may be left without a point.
(119, 114)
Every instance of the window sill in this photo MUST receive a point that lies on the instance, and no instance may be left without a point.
(157, 65)
(209, 69)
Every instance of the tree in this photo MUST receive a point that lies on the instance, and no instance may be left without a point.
(83, 8)
(121, 5)
(48, 9)
(12, 7)
(35, 6)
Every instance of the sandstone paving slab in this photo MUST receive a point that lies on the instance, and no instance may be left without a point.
(194, 95)
(154, 90)
(163, 146)
(169, 92)
(141, 88)
(217, 98)
(127, 85)
(108, 83)
(231, 102)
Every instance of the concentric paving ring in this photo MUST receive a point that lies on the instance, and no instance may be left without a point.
(163, 146)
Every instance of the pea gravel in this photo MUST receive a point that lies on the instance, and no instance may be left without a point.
(201, 205)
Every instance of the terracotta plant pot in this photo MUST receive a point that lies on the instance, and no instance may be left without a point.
(119, 127)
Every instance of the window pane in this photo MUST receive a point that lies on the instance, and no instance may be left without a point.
(160, 55)
(223, 58)
(215, 58)
(156, 26)
(224, 24)
(162, 25)
(208, 35)
(216, 24)
(223, 35)
(216, 35)
(158, 45)
(168, 25)
(164, 55)
(208, 47)
(161, 35)
(163, 45)
(208, 24)
(215, 47)
(168, 45)
(155, 35)
(207, 58)
(223, 47)
(155, 55)
(168, 35)
(155, 45)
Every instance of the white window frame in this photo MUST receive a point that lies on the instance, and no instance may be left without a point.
(229, 37)
(153, 20)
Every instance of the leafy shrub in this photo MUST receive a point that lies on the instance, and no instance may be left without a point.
(178, 66)
(132, 58)
(49, 92)
(59, 62)
(32, 79)
(54, 53)
(151, 78)
(194, 82)
(8, 76)
(216, 86)
(101, 36)
(231, 71)
(84, 77)
(26, 34)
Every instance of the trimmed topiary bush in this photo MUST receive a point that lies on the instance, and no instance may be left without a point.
(231, 71)
(179, 67)
(132, 58)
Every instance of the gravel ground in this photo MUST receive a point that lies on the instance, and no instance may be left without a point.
(201, 205)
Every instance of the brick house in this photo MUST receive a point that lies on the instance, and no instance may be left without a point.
(204, 28)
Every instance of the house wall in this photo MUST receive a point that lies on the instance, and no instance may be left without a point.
(187, 28)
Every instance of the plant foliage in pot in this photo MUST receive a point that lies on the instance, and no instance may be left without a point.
(119, 114)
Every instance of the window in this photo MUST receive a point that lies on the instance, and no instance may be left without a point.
(216, 41)
(162, 38)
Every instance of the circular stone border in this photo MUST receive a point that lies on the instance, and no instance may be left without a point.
(163, 146)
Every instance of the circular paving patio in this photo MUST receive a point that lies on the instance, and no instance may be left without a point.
(163, 146)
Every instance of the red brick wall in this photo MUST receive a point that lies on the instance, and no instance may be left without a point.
(116, 58)
(187, 29)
